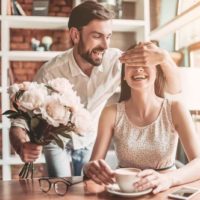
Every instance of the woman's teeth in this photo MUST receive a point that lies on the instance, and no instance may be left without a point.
(139, 77)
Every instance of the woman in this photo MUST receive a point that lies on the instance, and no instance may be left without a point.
(145, 128)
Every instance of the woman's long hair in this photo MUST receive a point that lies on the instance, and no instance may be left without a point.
(159, 84)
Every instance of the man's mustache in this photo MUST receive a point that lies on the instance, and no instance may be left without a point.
(99, 49)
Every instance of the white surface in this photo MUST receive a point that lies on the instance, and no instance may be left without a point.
(114, 189)
(190, 77)
(179, 21)
(32, 55)
(190, 83)
(35, 22)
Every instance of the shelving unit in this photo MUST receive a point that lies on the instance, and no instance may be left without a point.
(140, 26)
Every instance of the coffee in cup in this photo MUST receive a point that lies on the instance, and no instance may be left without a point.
(126, 177)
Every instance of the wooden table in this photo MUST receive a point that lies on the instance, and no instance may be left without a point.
(87, 190)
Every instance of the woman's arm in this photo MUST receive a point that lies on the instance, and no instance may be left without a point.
(191, 143)
(148, 54)
(97, 169)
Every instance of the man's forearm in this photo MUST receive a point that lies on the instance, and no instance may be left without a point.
(18, 136)
(172, 75)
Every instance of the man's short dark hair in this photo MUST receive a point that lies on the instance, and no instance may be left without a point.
(87, 11)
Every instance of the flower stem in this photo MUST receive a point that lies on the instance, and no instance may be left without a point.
(26, 170)
(21, 174)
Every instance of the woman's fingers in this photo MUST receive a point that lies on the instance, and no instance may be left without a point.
(106, 168)
(152, 179)
(100, 172)
(148, 185)
(146, 172)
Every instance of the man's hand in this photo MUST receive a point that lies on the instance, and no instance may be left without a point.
(27, 151)
(30, 152)
(147, 54)
(144, 55)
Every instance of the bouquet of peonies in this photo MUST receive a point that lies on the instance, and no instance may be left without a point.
(50, 111)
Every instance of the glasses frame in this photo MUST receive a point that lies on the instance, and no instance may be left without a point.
(53, 182)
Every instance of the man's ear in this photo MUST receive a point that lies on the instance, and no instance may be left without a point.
(75, 35)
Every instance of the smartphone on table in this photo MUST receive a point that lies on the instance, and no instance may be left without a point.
(184, 193)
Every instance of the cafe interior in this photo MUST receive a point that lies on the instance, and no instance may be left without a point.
(35, 31)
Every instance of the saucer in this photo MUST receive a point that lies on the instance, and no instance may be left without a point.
(114, 189)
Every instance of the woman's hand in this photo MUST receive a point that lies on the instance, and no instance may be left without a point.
(99, 171)
(152, 179)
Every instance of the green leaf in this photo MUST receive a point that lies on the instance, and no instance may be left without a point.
(14, 116)
(9, 112)
(52, 89)
(19, 94)
(15, 106)
(64, 134)
(34, 122)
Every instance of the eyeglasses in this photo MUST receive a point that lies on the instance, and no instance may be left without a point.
(60, 185)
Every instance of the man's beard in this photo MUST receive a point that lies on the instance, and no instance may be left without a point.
(88, 55)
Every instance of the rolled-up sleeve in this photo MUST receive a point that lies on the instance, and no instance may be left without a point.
(19, 123)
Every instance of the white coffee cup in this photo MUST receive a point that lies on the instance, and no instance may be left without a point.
(126, 177)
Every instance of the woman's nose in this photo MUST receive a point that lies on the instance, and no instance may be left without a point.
(139, 69)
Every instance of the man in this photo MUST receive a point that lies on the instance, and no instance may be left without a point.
(94, 69)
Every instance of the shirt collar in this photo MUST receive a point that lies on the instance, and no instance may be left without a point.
(75, 69)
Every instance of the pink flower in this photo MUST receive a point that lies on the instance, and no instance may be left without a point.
(33, 98)
(82, 120)
(61, 85)
(54, 112)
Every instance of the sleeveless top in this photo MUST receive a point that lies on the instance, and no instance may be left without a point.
(149, 147)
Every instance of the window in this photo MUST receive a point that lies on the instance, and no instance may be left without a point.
(190, 33)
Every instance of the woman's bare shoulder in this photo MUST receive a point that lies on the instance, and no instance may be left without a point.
(109, 112)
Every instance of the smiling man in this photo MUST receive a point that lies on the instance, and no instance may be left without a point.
(94, 69)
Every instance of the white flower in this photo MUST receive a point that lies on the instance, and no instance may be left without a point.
(33, 98)
(61, 85)
(13, 89)
(56, 108)
(70, 99)
(82, 120)
(54, 112)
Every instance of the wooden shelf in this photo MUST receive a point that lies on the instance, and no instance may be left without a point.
(32, 55)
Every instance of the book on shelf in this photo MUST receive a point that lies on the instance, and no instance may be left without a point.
(40, 7)
(17, 8)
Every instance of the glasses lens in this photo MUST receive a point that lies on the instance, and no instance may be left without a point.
(60, 187)
(44, 185)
